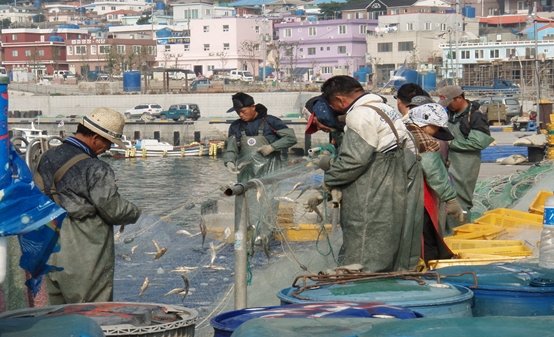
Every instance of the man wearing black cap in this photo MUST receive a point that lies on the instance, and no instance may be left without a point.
(255, 140)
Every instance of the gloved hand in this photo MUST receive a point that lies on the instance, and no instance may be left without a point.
(324, 162)
(266, 150)
(454, 209)
(336, 197)
(231, 167)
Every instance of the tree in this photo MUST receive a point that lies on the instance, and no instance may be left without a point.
(331, 10)
(250, 51)
(6, 23)
(144, 19)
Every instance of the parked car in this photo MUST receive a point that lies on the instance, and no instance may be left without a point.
(63, 74)
(203, 83)
(178, 75)
(513, 106)
(147, 109)
(181, 112)
(240, 75)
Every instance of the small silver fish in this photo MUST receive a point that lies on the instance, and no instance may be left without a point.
(160, 251)
(181, 291)
(203, 230)
(133, 249)
(144, 286)
(183, 269)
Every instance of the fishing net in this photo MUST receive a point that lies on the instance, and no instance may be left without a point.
(290, 232)
(505, 191)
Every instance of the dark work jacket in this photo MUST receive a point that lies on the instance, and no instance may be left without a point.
(271, 125)
(476, 121)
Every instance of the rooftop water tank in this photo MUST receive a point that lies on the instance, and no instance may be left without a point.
(160, 5)
(468, 12)
(131, 81)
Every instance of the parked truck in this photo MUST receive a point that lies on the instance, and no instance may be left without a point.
(498, 87)
(181, 112)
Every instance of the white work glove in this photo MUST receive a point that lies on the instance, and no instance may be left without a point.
(266, 150)
(324, 162)
(231, 167)
(454, 209)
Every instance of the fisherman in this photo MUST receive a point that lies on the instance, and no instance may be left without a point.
(255, 140)
(428, 123)
(405, 94)
(370, 169)
(85, 186)
(320, 117)
(471, 135)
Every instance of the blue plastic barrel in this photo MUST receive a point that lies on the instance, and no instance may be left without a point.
(227, 322)
(431, 299)
(160, 5)
(507, 289)
(404, 75)
(427, 80)
(68, 325)
(131, 81)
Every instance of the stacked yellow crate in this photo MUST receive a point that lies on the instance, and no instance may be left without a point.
(550, 139)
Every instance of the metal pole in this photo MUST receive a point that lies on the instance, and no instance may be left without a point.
(240, 253)
(537, 79)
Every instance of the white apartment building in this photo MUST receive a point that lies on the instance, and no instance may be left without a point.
(17, 14)
(218, 43)
(103, 7)
(182, 13)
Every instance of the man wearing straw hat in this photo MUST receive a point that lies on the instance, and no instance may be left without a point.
(73, 176)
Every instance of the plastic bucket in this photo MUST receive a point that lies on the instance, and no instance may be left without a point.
(68, 325)
(131, 81)
(431, 299)
(506, 289)
(225, 323)
(123, 318)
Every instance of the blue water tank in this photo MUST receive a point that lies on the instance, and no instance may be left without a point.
(55, 38)
(160, 5)
(131, 81)
(404, 75)
(468, 12)
(362, 74)
(164, 33)
(507, 289)
(427, 80)
(268, 71)
(37, 3)
(299, 12)
(429, 299)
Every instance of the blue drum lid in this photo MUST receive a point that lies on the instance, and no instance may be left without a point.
(230, 320)
(512, 276)
(400, 292)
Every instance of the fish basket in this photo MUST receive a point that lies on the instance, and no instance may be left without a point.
(537, 206)
(303, 232)
(517, 250)
(477, 231)
(511, 219)
(457, 244)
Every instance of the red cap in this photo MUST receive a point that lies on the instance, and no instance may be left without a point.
(311, 126)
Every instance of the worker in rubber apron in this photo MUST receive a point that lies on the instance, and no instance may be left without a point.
(471, 135)
(85, 186)
(428, 123)
(255, 140)
(370, 168)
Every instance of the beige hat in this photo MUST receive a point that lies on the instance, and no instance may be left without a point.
(107, 123)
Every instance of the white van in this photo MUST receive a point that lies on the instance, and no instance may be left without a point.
(240, 75)
(63, 74)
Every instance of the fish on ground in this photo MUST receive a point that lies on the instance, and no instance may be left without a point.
(144, 286)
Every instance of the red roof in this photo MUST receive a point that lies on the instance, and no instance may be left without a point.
(504, 19)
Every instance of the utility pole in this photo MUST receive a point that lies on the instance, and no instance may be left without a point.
(536, 77)
(456, 37)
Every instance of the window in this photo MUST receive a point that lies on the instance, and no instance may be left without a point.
(120, 49)
(167, 48)
(406, 46)
(494, 53)
(311, 51)
(465, 54)
(206, 29)
(443, 27)
(320, 48)
(225, 28)
(137, 49)
(40, 52)
(428, 26)
(410, 26)
(257, 29)
(186, 47)
(27, 52)
(312, 31)
(69, 50)
(478, 54)
(522, 5)
(288, 32)
(206, 47)
(80, 50)
(326, 70)
(384, 47)
(360, 15)
(211, 68)
(342, 29)
(103, 49)
(225, 46)
(14, 37)
(15, 53)
(191, 13)
(363, 29)
(93, 49)
(341, 49)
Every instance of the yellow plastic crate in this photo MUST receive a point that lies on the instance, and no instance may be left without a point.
(454, 243)
(537, 206)
(303, 232)
(477, 231)
(473, 261)
(511, 220)
(519, 250)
